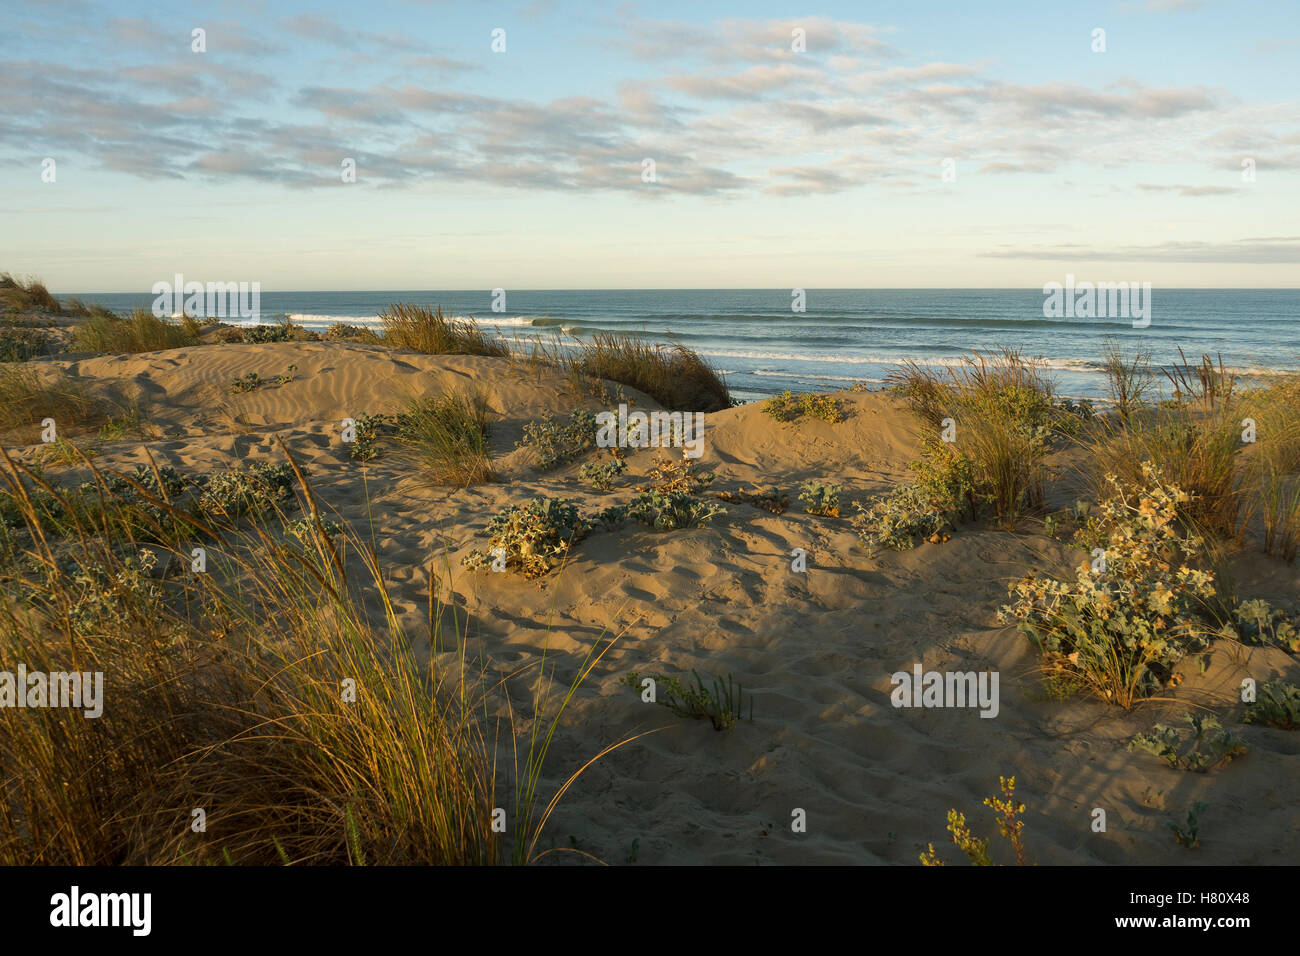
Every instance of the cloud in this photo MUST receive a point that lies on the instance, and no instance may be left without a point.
(1243, 251)
(1189, 190)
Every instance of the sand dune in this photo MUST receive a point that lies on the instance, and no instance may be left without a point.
(815, 650)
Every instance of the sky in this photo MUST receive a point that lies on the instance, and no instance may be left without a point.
(919, 144)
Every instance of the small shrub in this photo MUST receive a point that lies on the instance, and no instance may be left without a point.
(1128, 378)
(787, 408)
(1122, 631)
(672, 510)
(1189, 835)
(1206, 747)
(721, 703)
(369, 429)
(1276, 705)
(249, 383)
(261, 334)
(668, 476)
(255, 491)
(601, 475)
(1257, 622)
(554, 444)
(977, 850)
(613, 518)
(534, 538)
(339, 332)
(821, 498)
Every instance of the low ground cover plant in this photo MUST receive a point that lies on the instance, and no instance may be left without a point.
(1203, 747)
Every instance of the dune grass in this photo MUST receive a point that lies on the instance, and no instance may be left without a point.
(1001, 411)
(29, 296)
(676, 377)
(1128, 376)
(28, 397)
(277, 693)
(141, 331)
(426, 330)
(446, 434)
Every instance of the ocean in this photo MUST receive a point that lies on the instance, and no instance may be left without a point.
(846, 336)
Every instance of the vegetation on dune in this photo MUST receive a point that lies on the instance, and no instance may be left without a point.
(254, 711)
(422, 329)
(1008, 811)
(141, 331)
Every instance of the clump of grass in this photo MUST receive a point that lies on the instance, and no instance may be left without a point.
(720, 702)
(672, 510)
(767, 498)
(998, 409)
(421, 329)
(676, 377)
(28, 397)
(29, 296)
(554, 444)
(1010, 825)
(447, 435)
(601, 475)
(1277, 704)
(141, 331)
(1206, 747)
(821, 498)
(787, 408)
(1120, 631)
(1128, 377)
(533, 539)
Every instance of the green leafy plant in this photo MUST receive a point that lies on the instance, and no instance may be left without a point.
(256, 490)
(672, 510)
(601, 475)
(369, 430)
(1206, 747)
(821, 498)
(1277, 704)
(1190, 834)
(534, 538)
(787, 408)
(554, 444)
(1121, 631)
(721, 702)
(1257, 622)
(249, 383)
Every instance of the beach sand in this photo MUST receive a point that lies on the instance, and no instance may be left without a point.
(816, 650)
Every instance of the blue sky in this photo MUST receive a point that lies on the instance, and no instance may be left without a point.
(773, 168)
